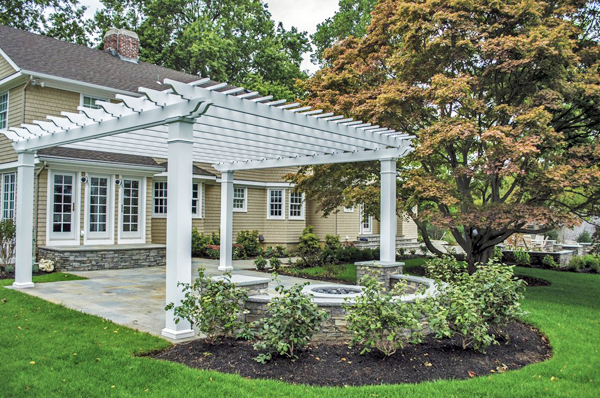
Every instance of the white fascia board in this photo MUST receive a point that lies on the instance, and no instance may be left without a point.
(99, 165)
(164, 175)
(7, 166)
(350, 157)
(78, 86)
(11, 81)
(10, 61)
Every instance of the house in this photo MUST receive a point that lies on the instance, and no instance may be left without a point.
(97, 207)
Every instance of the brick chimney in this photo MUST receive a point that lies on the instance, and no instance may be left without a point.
(123, 43)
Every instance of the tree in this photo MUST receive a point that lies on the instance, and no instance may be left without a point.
(225, 40)
(503, 99)
(61, 19)
(352, 19)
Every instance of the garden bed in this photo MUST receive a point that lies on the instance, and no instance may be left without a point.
(327, 364)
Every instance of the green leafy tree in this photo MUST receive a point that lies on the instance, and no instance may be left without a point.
(61, 19)
(225, 40)
(503, 99)
(352, 19)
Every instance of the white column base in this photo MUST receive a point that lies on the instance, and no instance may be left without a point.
(225, 268)
(177, 334)
(25, 285)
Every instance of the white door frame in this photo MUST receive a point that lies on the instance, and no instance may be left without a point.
(124, 237)
(109, 237)
(364, 231)
(73, 239)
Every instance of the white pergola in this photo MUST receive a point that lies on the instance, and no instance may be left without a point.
(205, 122)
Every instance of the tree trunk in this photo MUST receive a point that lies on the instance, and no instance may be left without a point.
(475, 256)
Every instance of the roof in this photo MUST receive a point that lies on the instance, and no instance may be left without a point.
(197, 171)
(98, 156)
(42, 54)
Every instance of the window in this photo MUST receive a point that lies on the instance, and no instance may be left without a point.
(296, 206)
(90, 102)
(8, 195)
(239, 199)
(197, 200)
(276, 201)
(160, 198)
(3, 111)
(348, 209)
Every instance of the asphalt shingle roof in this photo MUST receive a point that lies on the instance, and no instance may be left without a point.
(105, 157)
(47, 55)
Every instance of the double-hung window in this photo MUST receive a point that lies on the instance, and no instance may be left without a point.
(90, 102)
(296, 205)
(240, 199)
(276, 204)
(8, 195)
(159, 205)
(3, 110)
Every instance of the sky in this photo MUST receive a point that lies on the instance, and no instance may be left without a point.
(303, 14)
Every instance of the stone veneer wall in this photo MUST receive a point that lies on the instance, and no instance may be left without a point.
(88, 260)
(333, 328)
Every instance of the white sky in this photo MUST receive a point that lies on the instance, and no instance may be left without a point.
(303, 14)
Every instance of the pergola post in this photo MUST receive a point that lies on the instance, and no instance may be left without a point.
(226, 258)
(388, 224)
(24, 216)
(179, 222)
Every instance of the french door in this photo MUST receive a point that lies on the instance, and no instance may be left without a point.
(63, 214)
(98, 214)
(131, 209)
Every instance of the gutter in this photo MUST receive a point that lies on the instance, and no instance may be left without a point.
(98, 163)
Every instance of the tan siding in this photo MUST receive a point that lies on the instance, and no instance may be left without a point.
(159, 230)
(348, 224)
(407, 228)
(42, 207)
(15, 107)
(44, 101)
(322, 226)
(5, 68)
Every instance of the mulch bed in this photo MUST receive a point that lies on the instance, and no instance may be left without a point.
(329, 364)
(11, 275)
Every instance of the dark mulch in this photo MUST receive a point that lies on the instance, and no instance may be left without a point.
(328, 364)
(11, 275)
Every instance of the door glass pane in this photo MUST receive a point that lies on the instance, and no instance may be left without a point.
(98, 194)
(130, 207)
(62, 207)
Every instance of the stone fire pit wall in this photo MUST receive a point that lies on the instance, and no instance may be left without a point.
(381, 270)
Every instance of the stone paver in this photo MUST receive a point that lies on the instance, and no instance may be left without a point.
(133, 297)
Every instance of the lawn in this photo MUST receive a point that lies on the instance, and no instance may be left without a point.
(48, 350)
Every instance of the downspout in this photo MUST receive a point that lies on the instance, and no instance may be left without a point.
(36, 207)
(24, 99)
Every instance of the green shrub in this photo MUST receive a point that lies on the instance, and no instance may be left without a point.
(260, 263)
(522, 257)
(275, 263)
(250, 243)
(379, 321)
(449, 238)
(291, 321)
(575, 264)
(549, 261)
(309, 248)
(591, 262)
(401, 251)
(552, 234)
(498, 254)
(412, 251)
(472, 306)
(214, 306)
(213, 251)
(584, 237)
(204, 245)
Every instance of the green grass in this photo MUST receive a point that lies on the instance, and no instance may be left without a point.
(51, 277)
(78, 355)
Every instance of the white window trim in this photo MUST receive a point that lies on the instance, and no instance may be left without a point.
(110, 216)
(90, 96)
(156, 215)
(7, 107)
(199, 208)
(348, 209)
(245, 208)
(269, 216)
(142, 217)
(53, 241)
(302, 208)
(2, 175)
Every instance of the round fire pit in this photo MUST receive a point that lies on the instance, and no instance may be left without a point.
(333, 291)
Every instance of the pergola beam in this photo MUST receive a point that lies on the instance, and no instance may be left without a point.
(348, 157)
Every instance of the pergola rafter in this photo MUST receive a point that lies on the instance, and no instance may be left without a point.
(206, 122)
